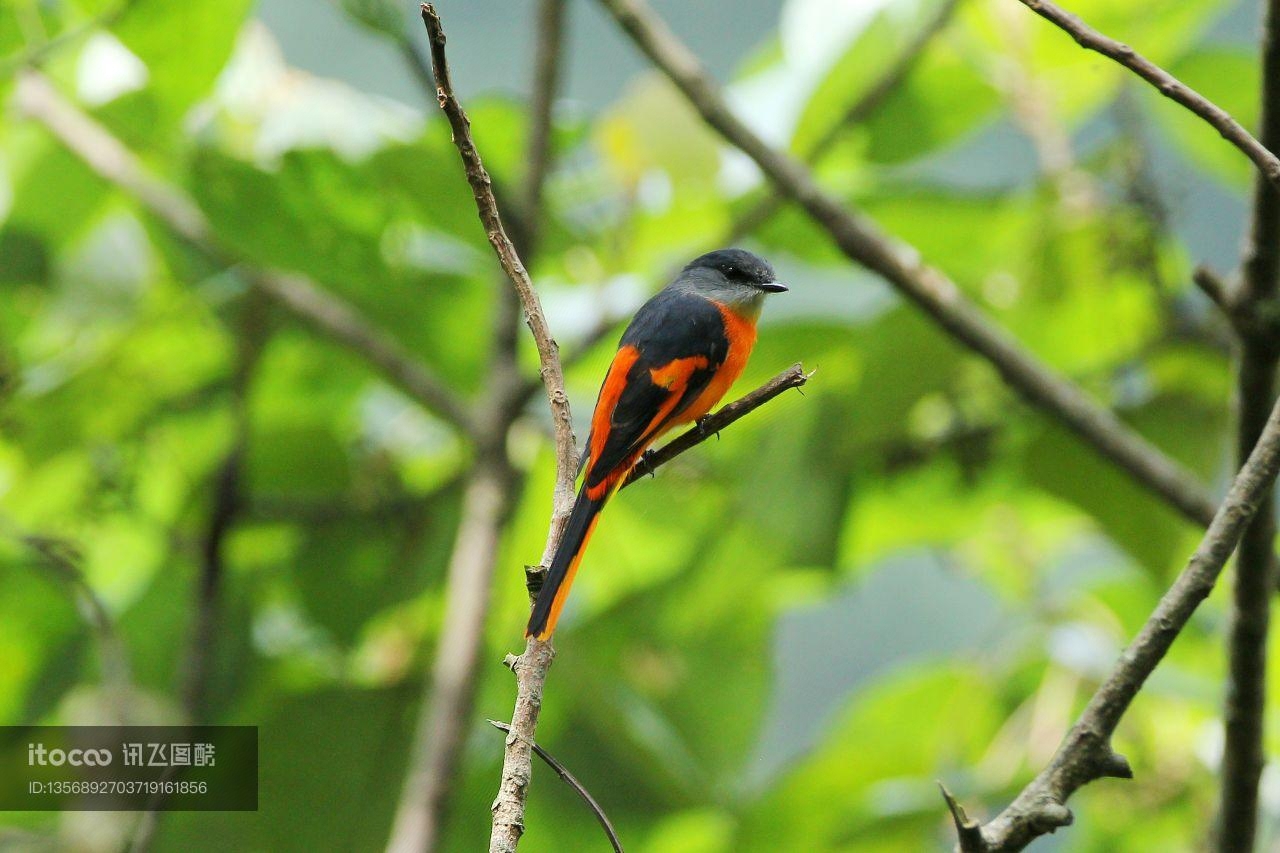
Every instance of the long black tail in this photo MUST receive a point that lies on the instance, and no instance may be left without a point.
(555, 589)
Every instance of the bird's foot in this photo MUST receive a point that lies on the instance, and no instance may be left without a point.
(701, 424)
(645, 463)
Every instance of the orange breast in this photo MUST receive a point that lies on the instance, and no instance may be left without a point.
(741, 332)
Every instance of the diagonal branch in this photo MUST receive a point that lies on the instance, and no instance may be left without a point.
(1085, 753)
(331, 316)
(321, 310)
(861, 241)
(1168, 85)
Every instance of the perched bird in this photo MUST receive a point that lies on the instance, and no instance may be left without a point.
(677, 358)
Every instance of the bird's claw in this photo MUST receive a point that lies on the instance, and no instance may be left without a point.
(645, 463)
(701, 424)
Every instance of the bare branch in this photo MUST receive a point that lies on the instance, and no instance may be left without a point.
(968, 831)
(106, 156)
(531, 668)
(578, 788)
(1219, 292)
(862, 242)
(487, 207)
(857, 113)
(1254, 320)
(1085, 753)
(1255, 576)
(1168, 85)
(448, 699)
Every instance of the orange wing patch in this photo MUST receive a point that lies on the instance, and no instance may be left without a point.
(674, 376)
(678, 370)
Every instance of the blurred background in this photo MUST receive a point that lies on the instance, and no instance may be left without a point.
(782, 640)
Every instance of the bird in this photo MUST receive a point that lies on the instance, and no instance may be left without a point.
(678, 356)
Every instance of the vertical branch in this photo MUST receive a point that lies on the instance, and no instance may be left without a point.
(1244, 713)
(446, 709)
(531, 667)
(546, 87)
(491, 493)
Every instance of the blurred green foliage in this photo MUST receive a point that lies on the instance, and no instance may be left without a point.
(780, 642)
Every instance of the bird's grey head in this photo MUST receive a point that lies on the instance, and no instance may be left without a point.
(733, 276)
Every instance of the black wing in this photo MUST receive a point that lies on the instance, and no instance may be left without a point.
(672, 326)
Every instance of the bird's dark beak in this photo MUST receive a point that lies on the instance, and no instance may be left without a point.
(774, 287)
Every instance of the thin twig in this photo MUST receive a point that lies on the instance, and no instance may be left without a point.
(1255, 574)
(968, 830)
(572, 782)
(324, 311)
(857, 113)
(864, 243)
(1253, 320)
(1212, 285)
(1085, 754)
(1168, 85)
